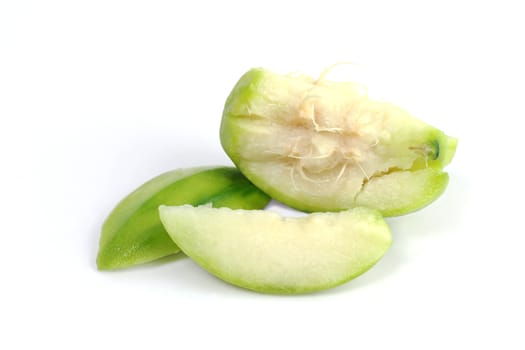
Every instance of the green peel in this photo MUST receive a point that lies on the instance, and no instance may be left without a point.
(133, 234)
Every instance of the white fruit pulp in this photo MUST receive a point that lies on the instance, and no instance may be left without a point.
(326, 136)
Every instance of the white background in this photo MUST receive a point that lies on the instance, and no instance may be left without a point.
(97, 97)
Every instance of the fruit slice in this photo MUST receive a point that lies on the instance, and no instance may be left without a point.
(264, 252)
(133, 233)
(326, 146)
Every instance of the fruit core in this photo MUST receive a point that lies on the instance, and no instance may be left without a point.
(334, 132)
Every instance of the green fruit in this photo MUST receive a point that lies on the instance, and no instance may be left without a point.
(133, 233)
(264, 252)
(325, 146)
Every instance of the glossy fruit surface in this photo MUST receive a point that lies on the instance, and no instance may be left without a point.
(133, 233)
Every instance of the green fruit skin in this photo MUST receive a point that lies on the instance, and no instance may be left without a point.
(244, 92)
(233, 138)
(133, 234)
(185, 230)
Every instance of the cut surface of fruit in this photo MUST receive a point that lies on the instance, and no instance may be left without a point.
(133, 234)
(262, 251)
(320, 145)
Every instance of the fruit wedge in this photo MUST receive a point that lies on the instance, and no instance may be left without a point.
(133, 233)
(326, 146)
(264, 252)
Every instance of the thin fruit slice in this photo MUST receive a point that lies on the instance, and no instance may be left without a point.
(133, 233)
(326, 146)
(264, 252)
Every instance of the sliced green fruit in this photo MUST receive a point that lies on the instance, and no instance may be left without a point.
(326, 146)
(264, 252)
(133, 233)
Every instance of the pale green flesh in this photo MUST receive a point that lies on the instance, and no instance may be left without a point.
(262, 251)
(320, 146)
(133, 234)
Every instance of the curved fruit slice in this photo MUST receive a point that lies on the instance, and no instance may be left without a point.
(325, 146)
(264, 252)
(133, 233)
